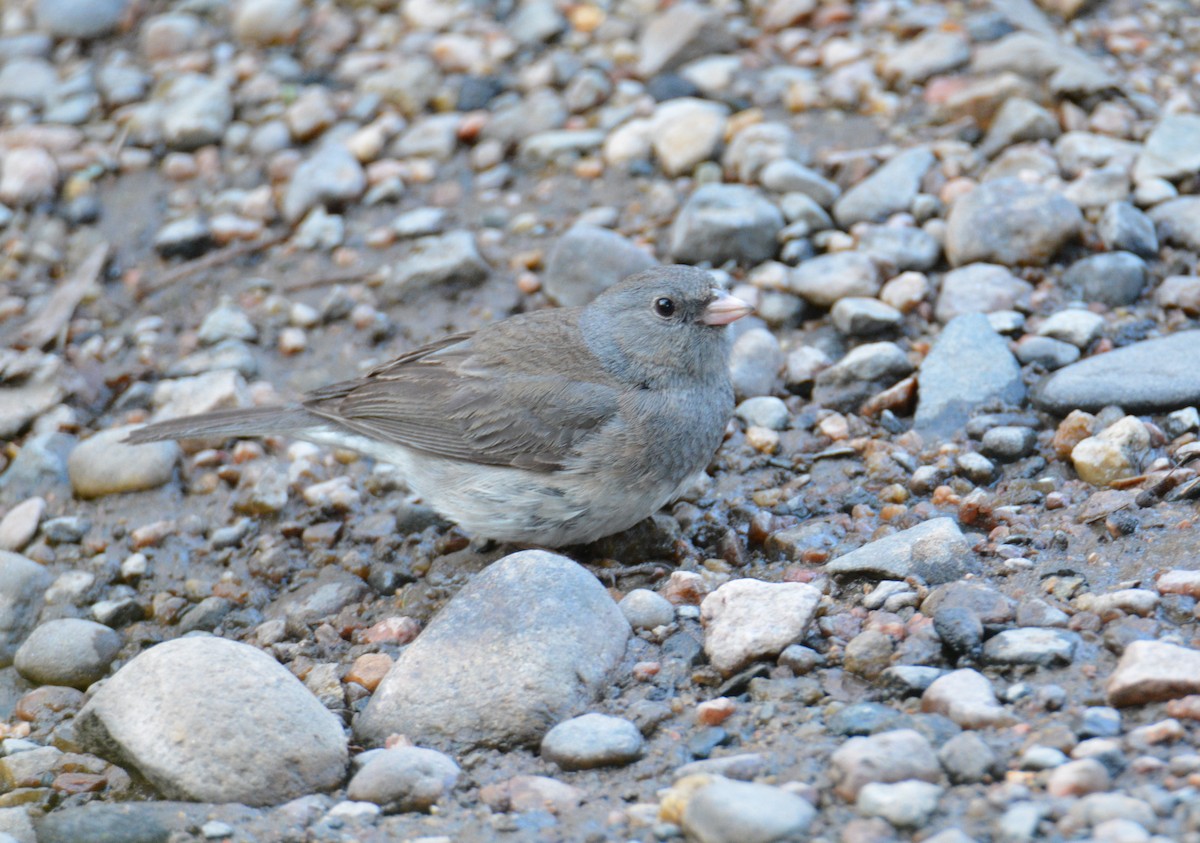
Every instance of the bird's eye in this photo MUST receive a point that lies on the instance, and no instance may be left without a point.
(664, 307)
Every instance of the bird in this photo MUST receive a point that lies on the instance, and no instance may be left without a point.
(550, 428)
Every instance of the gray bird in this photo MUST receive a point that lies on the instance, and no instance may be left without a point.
(551, 428)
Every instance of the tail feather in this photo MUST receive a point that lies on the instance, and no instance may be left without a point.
(253, 421)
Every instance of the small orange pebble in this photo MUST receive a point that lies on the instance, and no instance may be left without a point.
(369, 669)
(715, 712)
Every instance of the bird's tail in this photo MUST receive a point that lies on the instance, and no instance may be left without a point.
(252, 421)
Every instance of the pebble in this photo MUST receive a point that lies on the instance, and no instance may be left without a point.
(447, 259)
(20, 524)
(1153, 671)
(727, 811)
(226, 322)
(864, 317)
(1048, 353)
(1113, 454)
(764, 411)
(907, 804)
(1019, 120)
(644, 609)
(784, 175)
(234, 751)
(1009, 222)
(969, 365)
(587, 260)
(968, 759)
(1076, 326)
(886, 757)
(1032, 646)
(1078, 778)
(889, 190)
(685, 132)
(1169, 151)
(331, 177)
(755, 362)
(73, 19)
(593, 740)
(725, 222)
(1125, 228)
(934, 551)
(1111, 278)
(490, 698)
(1177, 222)
(824, 280)
(105, 465)
(196, 111)
(927, 55)
(981, 288)
(23, 583)
(29, 176)
(748, 619)
(68, 651)
(1009, 442)
(404, 778)
(901, 248)
(268, 22)
(967, 698)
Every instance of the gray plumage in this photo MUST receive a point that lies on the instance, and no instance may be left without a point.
(554, 427)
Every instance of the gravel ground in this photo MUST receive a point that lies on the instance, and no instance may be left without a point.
(939, 584)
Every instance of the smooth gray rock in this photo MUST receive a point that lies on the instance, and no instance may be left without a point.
(68, 651)
(901, 248)
(207, 719)
(105, 464)
(970, 365)
(1170, 152)
(1031, 645)
(587, 260)
(1178, 222)
(80, 18)
(528, 642)
(888, 190)
(23, 585)
(406, 778)
(827, 278)
(934, 550)
(593, 740)
(1111, 278)
(981, 288)
(1151, 376)
(1046, 352)
(1125, 228)
(726, 222)
(727, 811)
(1009, 222)
(331, 177)
(754, 363)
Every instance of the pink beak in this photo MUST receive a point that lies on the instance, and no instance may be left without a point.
(724, 309)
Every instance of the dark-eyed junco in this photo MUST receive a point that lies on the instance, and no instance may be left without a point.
(552, 428)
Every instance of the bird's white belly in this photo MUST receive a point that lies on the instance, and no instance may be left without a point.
(513, 504)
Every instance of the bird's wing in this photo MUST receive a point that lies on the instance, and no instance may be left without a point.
(527, 399)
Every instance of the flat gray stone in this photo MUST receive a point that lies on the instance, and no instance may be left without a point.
(68, 651)
(970, 365)
(1153, 376)
(934, 550)
(1178, 222)
(886, 191)
(527, 643)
